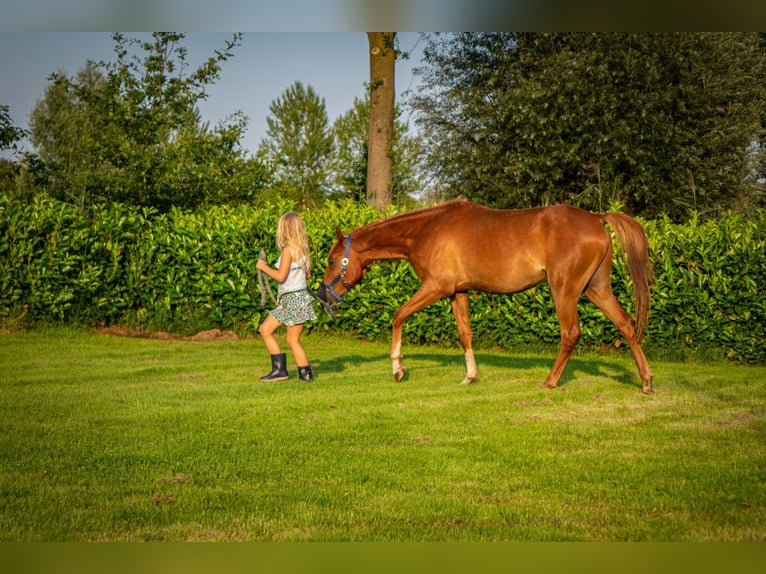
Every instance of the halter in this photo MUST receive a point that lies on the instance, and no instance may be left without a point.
(342, 276)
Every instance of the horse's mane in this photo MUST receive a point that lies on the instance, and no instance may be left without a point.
(417, 214)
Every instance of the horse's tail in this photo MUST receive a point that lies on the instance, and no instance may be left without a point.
(632, 237)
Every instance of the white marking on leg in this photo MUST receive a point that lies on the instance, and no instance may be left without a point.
(396, 358)
(471, 371)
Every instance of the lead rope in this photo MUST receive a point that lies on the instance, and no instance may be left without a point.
(263, 283)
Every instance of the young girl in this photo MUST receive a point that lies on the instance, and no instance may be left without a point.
(293, 302)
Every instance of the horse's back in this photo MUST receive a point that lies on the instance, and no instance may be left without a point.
(504, 251)
(473, 225)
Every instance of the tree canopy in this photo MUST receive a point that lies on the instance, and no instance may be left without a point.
(130, 131)
(298, 144)
(10, 139)
(10, 135)
(659, 123)
(349, 160)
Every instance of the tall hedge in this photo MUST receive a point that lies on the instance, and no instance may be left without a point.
(186, 272)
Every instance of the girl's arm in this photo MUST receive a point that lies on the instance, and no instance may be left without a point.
(279, 275)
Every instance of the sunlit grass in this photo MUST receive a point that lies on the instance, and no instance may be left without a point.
(107, 438)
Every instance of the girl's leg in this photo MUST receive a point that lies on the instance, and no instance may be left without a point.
(294, 340)
(267, 328)
(278, 362)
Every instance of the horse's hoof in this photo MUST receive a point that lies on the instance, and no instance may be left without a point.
(549, 386)
(399, 375)
(468, 381)
(648, 391)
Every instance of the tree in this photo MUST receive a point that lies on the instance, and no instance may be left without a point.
(660, 123)
(69, 135)
(348, 167)
(10, 135)
(298, 144)
(381, 130)
(130, 131)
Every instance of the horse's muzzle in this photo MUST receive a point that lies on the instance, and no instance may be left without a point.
(331, 307)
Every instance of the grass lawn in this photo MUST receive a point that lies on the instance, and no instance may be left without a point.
(122, 439)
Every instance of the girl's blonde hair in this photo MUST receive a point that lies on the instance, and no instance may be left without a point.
(291, 233)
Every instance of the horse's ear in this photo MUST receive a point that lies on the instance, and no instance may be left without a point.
(339, 233)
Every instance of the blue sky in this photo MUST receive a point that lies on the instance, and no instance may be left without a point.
(335, 64)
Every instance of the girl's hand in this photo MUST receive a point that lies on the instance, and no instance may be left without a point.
(261, 265)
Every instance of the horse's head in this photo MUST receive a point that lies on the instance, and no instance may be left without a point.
(343, 272)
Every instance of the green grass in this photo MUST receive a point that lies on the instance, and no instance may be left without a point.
(111, 439)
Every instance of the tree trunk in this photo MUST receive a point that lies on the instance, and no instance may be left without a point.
(381, 130)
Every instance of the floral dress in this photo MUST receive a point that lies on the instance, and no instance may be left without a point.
(294, 304)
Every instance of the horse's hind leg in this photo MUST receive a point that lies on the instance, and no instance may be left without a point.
(566, 309)
(600, 292)
(459, 303)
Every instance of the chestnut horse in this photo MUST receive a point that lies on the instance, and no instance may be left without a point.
(459, 246)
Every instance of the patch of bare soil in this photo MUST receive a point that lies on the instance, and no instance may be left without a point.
(209, 335)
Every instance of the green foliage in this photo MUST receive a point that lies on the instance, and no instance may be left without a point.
(708, 290)
(9, 171)
(186, 271)
(348, 165)
(298, 145)
(349, 161)
(10, 135)
(665, 123)
(130, 131)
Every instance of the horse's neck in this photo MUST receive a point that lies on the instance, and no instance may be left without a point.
(389, 238)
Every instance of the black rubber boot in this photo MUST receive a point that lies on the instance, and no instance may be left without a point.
(278, 369)
(305, 374)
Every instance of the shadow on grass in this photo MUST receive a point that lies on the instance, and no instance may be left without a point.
(338, 364)
(576, 367)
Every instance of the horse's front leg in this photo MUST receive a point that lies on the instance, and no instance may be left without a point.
(426, 295)
(397, 360)
(463, 319)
